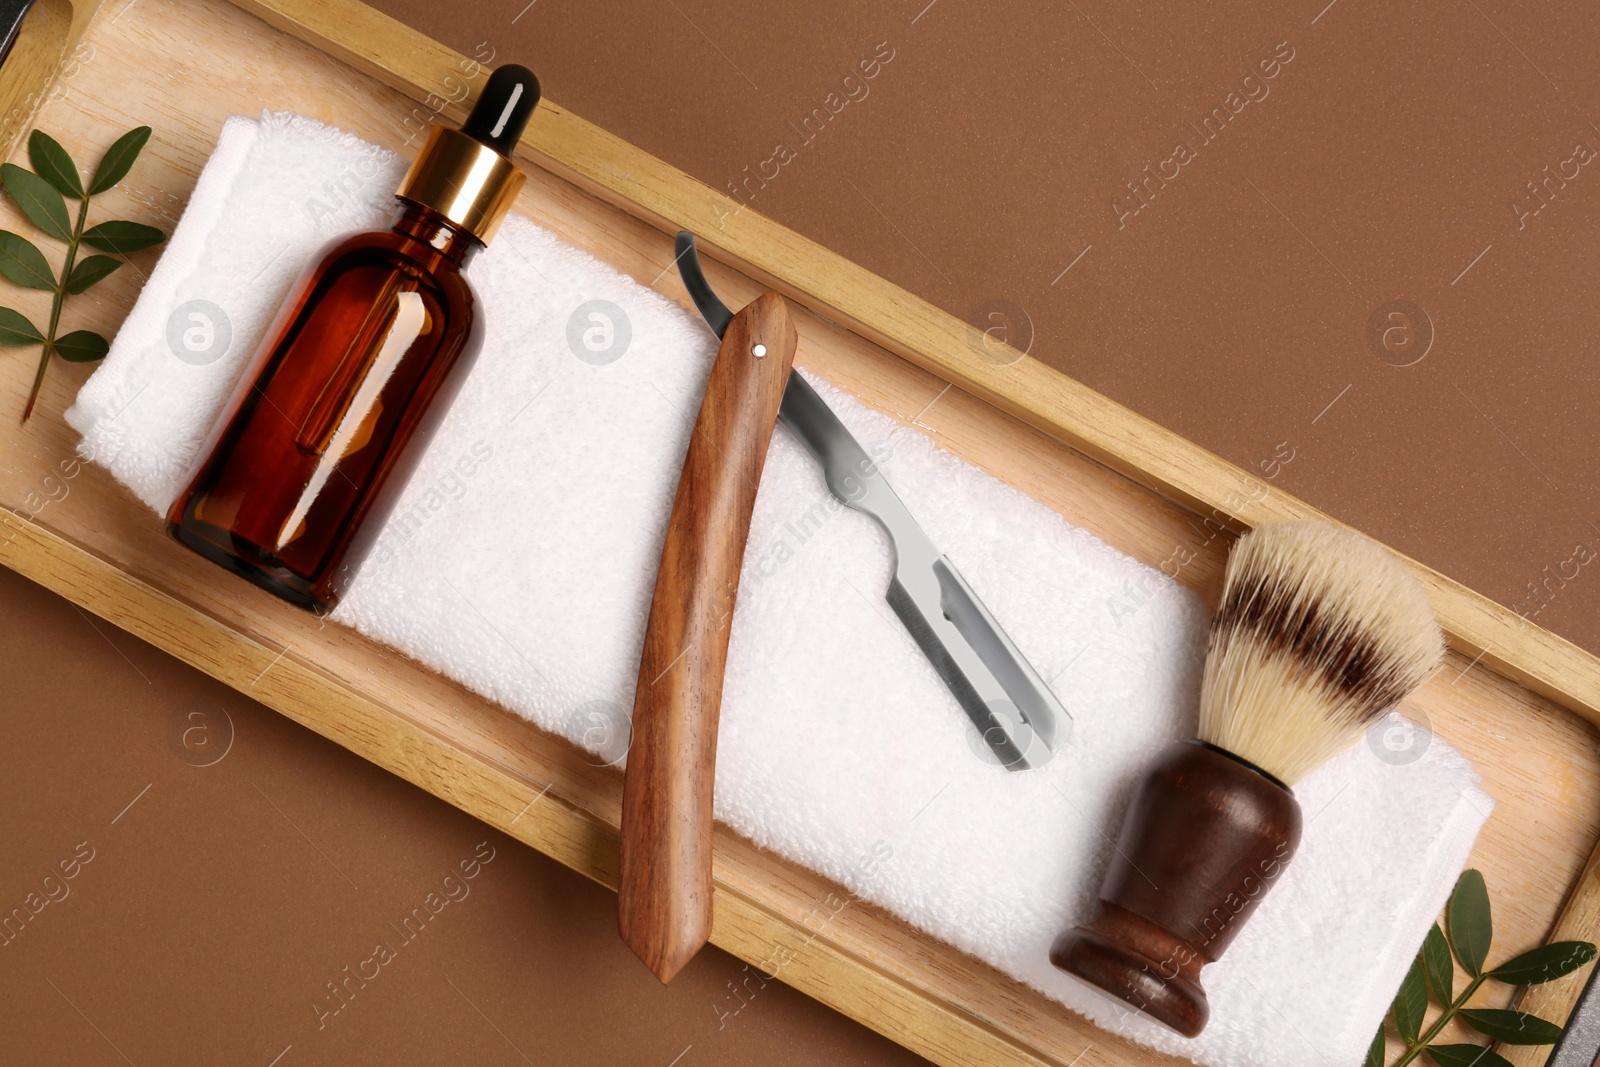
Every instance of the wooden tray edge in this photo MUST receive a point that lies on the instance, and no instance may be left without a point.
(43, 48)
(908, 326)
(928, 1025)
(840, 290)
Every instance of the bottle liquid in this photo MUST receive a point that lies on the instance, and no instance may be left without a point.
(354, 375)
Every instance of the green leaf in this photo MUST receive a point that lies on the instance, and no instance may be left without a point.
(1544, 964)
(1468, 919)
(122, 237)
(1466, 1056)
(51, 162)
(38, 199)
(118, 158)
(88, 271)
(1375, 1050)
(23, 263)
(81, 346)
(1436, 965)
(1510, 1027)
(16, 330)
(1410, 1004)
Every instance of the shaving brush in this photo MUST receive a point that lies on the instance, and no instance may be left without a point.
(1319, 632)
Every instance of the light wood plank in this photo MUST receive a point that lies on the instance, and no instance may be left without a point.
(601, 163)
(70, 528)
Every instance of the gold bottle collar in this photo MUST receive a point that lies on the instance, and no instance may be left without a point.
(464, 180)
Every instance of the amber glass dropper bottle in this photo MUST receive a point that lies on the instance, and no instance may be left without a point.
(354, 375)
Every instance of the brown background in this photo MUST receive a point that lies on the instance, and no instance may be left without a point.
(230, 881)
(985, 157)
(982, 163)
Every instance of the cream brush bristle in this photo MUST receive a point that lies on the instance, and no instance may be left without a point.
(1319, 632)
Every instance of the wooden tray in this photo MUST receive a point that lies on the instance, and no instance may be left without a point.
(1513, 697)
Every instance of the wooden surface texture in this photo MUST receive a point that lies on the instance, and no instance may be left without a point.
(664, 899)
(183, 66)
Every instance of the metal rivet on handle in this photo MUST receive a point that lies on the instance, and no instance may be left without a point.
(758, 351)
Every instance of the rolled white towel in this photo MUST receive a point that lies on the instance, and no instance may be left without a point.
(521, 557)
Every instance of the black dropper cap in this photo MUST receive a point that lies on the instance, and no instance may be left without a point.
(503, 108)
(468, 175)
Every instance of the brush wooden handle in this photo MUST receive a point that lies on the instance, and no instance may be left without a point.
(664, 886)
(1205, 838)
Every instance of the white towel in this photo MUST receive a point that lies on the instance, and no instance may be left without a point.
(521, 557)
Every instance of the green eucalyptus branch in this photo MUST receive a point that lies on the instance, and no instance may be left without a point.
(1432, 977)
(41, 194)
(1450, 1012)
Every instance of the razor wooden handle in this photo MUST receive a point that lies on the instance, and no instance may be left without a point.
(664, 886)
